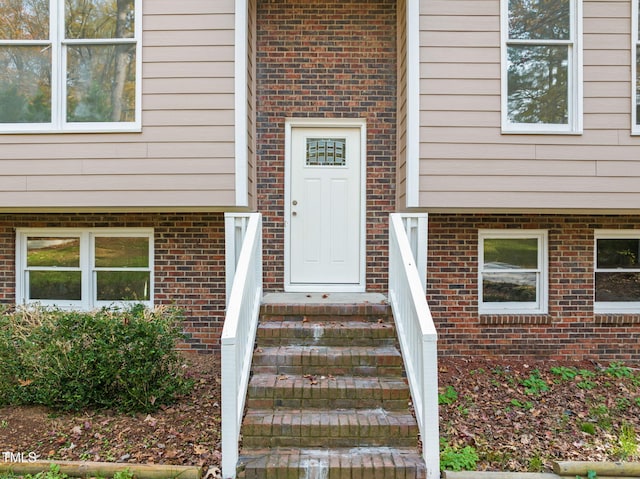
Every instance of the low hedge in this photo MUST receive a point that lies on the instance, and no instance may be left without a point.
(123, 359)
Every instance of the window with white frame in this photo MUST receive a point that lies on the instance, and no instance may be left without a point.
(541, 66)
(84, 268)
(512, 271)
(69, 65)
(617, 271)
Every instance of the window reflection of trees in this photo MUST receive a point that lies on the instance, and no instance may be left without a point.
(538, 61)
(99, 44)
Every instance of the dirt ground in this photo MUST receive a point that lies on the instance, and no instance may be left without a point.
(184, 433)
(500, 409)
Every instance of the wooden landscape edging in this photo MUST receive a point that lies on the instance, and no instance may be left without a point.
(561, 470)
(103, 469)
(602, 469)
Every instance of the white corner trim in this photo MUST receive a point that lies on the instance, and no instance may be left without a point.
(413, 104)
(240, 103)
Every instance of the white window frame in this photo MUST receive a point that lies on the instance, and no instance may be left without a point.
(87, 267)
(635, 44)
(540, 306)
(604, 307)
(58, 45)
(574, 44)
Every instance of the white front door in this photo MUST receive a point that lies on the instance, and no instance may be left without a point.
(325, 211)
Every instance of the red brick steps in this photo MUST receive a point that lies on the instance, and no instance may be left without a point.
(319, 391)
(353, 463)
(327, 397)
(328, 428)
(334, 360)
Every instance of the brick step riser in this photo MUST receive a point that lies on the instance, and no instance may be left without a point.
(346, 428)
(279, 333)
(278, 392)
(327, 442)
(363, 463)
(359, 472)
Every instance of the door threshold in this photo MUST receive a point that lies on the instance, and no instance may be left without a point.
(324, 297)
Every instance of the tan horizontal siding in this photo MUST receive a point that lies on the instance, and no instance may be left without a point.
(184, 156)
(401, 161)
(468, 163)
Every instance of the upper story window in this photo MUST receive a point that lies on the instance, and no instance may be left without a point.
(617, 271)
(512, 272)
(84, 269)
(541, 71)
(69, 65)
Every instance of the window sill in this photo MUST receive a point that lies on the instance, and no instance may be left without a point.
(617, 319)
(514, 318)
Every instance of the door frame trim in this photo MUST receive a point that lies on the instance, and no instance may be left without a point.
(290, 124)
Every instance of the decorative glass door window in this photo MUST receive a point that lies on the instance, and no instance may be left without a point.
(326, 152)
(617, 271)
(512, 272)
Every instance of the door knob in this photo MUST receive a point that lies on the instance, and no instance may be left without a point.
(294, 202)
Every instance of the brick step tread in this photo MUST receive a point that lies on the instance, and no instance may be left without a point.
(353, 463)
(327, 309)
(326, 332)
(322, 428)
(300, 355)
(319, 391)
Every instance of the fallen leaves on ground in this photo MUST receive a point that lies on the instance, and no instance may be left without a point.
(581, 418)
(503, 410)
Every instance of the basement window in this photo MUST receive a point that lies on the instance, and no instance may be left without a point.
(84, 269)
(512, 272)
(617, 271)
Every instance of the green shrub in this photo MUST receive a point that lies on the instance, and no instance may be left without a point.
(109, 358)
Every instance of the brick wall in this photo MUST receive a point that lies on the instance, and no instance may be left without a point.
(189, 262)
(330, 59)
(571, 330)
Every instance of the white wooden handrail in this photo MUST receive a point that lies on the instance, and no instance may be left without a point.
(416, 331)
(244, 295)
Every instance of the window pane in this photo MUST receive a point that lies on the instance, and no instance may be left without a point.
(123, 285)
(99, 18)
(25, 84)
(24, 19)
(55, 285)
(53, 252)
(509, 287)
(326, 152)
(510, 253)
(127, 252)
(617, 287)
(538, 84)
(638, 85)
(618, 253)
(539, 19)
(101, 83)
